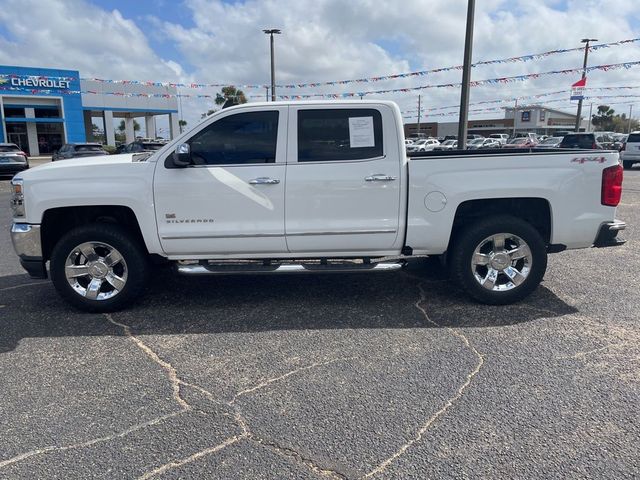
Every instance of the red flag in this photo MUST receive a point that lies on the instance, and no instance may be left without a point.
(580, 83)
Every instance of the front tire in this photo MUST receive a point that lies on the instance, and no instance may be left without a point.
(99, 267)
(627, 165)
(498, 260)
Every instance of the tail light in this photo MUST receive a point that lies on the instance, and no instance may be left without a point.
(611, 186)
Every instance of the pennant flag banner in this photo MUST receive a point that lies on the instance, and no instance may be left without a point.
(476, 83)
(521, 58)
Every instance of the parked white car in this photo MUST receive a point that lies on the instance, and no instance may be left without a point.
(631, 150)
(306, 187)
(479, 143)
(425, 145)
(502, 138)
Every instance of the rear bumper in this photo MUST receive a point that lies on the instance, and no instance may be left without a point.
(12, 168)
(608, 233)
(28, 245)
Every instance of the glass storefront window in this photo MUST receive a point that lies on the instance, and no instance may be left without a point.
(50, 137)
(47, 112)
(17, 133)
(13, 112)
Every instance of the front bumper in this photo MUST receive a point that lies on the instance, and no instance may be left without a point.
(608, 233)
(27, 243)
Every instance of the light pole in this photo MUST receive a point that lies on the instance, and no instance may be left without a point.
(466, 77)
(271, 32)
(584, 75)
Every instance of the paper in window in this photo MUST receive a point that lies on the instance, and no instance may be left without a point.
(361, 132)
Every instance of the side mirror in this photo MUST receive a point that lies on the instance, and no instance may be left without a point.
(182, 155)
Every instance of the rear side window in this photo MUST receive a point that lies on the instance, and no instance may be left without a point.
(9, 148)
(339, 134)
(238, 139)
(578, 141)
(634, 137)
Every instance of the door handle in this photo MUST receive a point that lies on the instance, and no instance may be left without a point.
(264, 181)
(379, 177)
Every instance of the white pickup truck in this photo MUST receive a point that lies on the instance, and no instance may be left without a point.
(309, 187)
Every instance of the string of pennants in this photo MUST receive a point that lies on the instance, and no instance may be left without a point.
(521, 58)
(475, 83)
(534, 97)
(427, 112)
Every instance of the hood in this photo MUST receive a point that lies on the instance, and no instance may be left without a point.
(84, 167)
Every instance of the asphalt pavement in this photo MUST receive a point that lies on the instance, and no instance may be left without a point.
(351, 376)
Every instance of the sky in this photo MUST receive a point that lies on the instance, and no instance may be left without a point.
(215, 41)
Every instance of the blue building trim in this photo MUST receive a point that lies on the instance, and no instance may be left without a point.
(113, 109)
(34, 120)
(20, 105)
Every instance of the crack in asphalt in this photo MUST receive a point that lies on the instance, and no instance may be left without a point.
(88, 443)
(171, 372)
(191, 458)
(268, 382)
(448, 404)
(290, 452)
(13, 287)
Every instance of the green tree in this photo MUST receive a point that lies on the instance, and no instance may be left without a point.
(182, 124)
(136, 126)
(227, 93)
(230, 92)
(603, 120)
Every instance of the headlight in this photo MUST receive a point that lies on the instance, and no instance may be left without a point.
(17, 197)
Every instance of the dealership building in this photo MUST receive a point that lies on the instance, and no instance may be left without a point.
(43, 108)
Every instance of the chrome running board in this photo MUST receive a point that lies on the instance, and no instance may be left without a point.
(257, 269)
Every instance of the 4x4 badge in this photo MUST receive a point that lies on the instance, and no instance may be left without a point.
(582, 160)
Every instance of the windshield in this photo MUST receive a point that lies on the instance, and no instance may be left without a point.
(518, 141)
(449, 142)
(551, 140)
(477, 141)
(152, 146)
(88, 148)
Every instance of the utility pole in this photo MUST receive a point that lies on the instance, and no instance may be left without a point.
(515, 117)
(584, 75)
(271, 32)
(590, 117)
(466, 77)
(180, 108)
(418, 130)
(267, 93)
(630, 110)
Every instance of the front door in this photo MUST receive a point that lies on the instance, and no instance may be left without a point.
(231, 199)
(343, 181)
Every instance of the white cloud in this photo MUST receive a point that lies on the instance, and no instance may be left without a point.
(326, 40)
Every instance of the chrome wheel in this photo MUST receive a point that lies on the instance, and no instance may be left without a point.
(96, 271)
(501, 262)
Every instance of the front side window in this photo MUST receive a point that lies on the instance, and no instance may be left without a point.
(339, 134)
(243, 138)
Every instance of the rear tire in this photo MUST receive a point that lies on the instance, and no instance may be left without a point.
(627, 165)
(498, 260)
(99, 267)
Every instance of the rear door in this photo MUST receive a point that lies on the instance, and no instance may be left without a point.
(343, 180)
